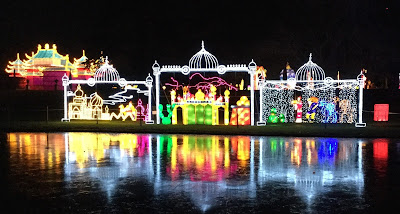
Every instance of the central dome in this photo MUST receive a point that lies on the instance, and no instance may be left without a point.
(310, 71)
(203, 59)
(106, 72)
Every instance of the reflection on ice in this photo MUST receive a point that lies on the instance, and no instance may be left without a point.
(108, 158)
(314, 165)
(202, 168)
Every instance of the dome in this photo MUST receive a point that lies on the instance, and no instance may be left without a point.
(310, 71)
(78, 92)
(96, 100)
(106, 72)
(203, 59)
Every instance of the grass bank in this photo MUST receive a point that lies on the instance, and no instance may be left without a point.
(373, 130)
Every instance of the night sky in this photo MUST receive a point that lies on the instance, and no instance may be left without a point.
(343, 36)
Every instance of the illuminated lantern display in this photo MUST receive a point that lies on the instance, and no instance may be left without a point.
(166, 120)
(328, 110)
(381, 112)
(312, 108)
(204, 62)
(261, 74)
(287, 73)
(142, 111)
(82, 109)
(241, 112)
(339, 101)
(298, 105)
(200, 109)
(125, 112)
(273, 118)
(44, 69)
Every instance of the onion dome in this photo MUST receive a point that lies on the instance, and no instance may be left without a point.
(96, 100)
(78, 92)
(149, 79)
(107, 73)
(203, 59)
(310, 71)
(199, 95)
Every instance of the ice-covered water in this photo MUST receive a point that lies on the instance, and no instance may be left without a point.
(155, 173)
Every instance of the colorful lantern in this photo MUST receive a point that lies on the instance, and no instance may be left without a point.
(312, 107)
(241, 112)
(381, 112)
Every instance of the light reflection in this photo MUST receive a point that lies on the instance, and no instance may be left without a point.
(201, 167)
(328, 162)
(380, 153)
(35, 148)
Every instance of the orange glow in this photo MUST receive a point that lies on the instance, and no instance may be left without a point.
(296, 152)
(202, 158)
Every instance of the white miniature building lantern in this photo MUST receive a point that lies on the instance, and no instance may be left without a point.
(107, 74)
(310, 81)
(204, 61)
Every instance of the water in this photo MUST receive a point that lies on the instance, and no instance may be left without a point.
(151, 173)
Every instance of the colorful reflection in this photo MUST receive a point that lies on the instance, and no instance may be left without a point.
(86, 147)
(202, 168)
(312, 165)
(48, 149)
(205, 158)
(380, 153)
(328, 150)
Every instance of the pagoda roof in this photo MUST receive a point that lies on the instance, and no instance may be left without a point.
(41, 54)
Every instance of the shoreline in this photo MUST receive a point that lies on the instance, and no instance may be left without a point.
(372, 130)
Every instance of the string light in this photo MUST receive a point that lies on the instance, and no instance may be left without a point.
(338, 99)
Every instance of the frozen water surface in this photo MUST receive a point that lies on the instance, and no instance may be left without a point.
(151, 173)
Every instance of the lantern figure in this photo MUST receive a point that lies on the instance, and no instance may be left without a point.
(381, 112)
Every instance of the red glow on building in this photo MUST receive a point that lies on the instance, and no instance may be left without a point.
(44, 69)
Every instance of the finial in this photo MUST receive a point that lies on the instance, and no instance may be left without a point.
(202, 44)
(310, 57)
(106, 61)
(83, 52)
(17, 56)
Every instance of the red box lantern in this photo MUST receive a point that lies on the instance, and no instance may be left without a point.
(381, 112)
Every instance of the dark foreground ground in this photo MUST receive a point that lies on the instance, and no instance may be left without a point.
(372, 130)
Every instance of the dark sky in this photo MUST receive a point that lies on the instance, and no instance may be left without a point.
(343, 36)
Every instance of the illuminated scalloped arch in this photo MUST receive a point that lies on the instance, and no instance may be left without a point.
(203, 59)
(310, 71)
(106, 73)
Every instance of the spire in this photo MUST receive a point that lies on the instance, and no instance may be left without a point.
(83, 52)
(202, 44)
(310, 57)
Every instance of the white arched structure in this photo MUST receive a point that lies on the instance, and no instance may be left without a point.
(107, 74)
(204, 61)
(310, 81)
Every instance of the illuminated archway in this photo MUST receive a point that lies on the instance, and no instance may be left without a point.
(106, 74)
(337, 101)
(203, 61)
